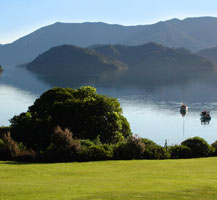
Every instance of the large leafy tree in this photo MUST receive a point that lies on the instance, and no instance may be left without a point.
(87, 114)
(198, 146)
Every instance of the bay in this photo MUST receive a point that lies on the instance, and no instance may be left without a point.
(152, 110)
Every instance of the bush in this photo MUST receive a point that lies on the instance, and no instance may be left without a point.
(180, 151)
(63, 140)
(86, 113)
(3, 153)
(154, 151)
(87, 143)
(63, 147)
(11, 150)
(214, 148)
(132, 148)
(95, 153)
(199, 147)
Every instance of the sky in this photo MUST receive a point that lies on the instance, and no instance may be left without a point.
(21, 17)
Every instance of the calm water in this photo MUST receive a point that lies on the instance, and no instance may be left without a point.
(153, 112)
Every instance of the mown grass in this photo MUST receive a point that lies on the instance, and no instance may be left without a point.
(137, 179)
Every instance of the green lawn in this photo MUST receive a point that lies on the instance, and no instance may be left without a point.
(143, 179)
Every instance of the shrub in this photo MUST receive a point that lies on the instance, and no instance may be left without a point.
(132, 148)
(11, 150)
(3, 152)
(63, 147)
(180, 151)
(87, 143)
(154, 151)
(63, 140)
(214, 148)
(95, 153)
(199, 147)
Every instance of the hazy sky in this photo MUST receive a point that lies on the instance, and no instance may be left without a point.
(20, 17)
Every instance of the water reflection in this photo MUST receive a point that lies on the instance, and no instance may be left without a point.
(205, 121)
(151, 106)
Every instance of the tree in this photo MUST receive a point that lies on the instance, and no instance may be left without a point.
(180, 151)
(198, 146)
(84, 112)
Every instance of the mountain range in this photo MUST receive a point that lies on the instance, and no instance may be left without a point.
(194, 34)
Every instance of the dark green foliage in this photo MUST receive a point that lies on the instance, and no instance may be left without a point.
(95, 152)
(1, 69)
(132, 148)
(180, 151)
(199, 147)
(32, 131)
(214, 147)
(3, 130)
(154, 151)
(82, 111)
(87, 143)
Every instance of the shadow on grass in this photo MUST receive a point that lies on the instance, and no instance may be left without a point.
(22, 163)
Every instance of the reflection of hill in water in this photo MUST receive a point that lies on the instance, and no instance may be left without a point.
(149, 78)
(163, 90)
(22, 79)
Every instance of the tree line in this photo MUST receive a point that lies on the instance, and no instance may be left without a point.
(65, 125)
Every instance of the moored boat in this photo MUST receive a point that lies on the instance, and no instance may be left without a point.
(183, 108)
(205, 115)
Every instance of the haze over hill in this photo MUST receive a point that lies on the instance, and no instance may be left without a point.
(192, 33)
(210, 53)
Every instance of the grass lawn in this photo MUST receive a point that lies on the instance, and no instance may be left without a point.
(138, 179)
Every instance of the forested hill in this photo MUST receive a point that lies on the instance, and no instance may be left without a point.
(68, 59)
(152, 56)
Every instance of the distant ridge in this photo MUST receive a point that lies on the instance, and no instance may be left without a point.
(153, 56)
(194, 34)
(210, 54)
